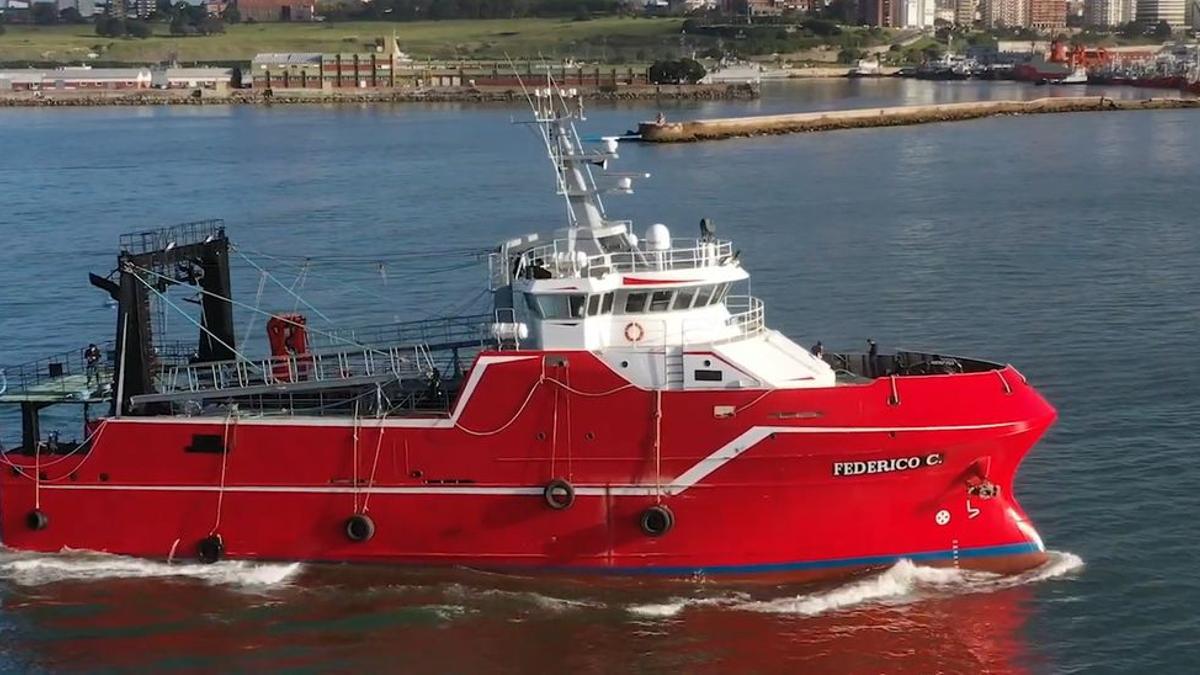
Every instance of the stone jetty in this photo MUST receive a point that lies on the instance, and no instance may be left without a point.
(666, 131)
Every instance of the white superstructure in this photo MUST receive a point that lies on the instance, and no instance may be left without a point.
(666, 312)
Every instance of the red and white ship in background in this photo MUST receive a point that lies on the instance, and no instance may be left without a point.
(625, 412)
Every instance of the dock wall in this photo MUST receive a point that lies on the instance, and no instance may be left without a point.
(714, 129)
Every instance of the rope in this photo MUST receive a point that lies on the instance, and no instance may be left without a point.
(197, 324)
(37, 475)
(354, 449)
(658, 445)
(374, 465)
(554, 435)
(752, 403)
(895, 400)
(262, 283)
(570, 454)
(279, 283)
(541, 379)
(509, 423)
(243, 305)
(577, 392)
(225, 450)
(92, 437)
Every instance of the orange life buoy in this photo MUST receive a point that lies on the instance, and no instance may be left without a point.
(634, 331)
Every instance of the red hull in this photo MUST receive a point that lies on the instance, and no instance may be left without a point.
(798, 483)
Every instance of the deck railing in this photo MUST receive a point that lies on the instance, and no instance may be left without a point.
(559, 259)
(176, 235)
(747, 314)
(438, 333)
(58, 373)
(322, 367)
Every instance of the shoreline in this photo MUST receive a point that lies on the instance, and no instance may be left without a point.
(862, 118)
(155, 97)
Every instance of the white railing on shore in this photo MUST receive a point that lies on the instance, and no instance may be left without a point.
(558, 259)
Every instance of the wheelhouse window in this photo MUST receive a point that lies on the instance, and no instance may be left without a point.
(660, 301)
(593, 305)
(703, 296)
(532, 303)
(635, 303)
(721, 292)
(607, 306)
(683, 298)
(556, 307)
(575, 305)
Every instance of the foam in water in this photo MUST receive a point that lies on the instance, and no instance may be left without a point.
(36, 570)
(902, 583)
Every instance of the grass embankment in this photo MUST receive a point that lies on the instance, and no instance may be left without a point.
(603, 39)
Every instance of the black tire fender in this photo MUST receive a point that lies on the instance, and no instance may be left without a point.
(657, 520)
(210, 549)
(559, 494)
(359, 527)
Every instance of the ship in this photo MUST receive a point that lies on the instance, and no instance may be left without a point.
(623, 410)
(949, 67)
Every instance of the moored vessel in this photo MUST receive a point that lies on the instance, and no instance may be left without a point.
(624, 409)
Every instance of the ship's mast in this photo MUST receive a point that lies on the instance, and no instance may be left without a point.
(554, 114)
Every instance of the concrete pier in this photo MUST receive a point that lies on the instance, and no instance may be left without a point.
(714, 129)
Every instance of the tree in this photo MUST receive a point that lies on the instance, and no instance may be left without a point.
(849, 55)
(138, 29)
(210, 25)
(70, 15)
(683, 71)
(1130, 30)
(232, 15)
(108, 26)
(1162, 31)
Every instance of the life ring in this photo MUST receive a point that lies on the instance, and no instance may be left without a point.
(634, 331)
(657, 520)
(36, 520)
(360, 527)
(210, 549)
(559, 494)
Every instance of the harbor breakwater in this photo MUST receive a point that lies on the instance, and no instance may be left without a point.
(715, 129)
(142, 97)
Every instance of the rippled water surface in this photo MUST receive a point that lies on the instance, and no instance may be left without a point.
(1065, 244)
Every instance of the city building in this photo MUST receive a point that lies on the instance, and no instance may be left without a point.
(875, 13)
(964, 12)
(1107, 12)
(387, 67)
(1151, 12)
(101, 79)
(1005, 13)
(276, 10)
(86, 8)
(919, 13)
(1047, 14)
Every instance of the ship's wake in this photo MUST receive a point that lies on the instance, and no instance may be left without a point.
(27, 569)
(900, 584)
